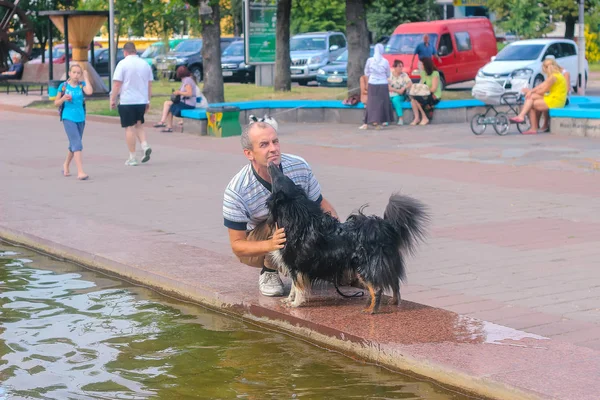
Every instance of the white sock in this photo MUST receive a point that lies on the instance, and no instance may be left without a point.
(131, 156)
(145, 145)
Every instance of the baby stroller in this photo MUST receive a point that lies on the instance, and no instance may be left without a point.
(506, 93)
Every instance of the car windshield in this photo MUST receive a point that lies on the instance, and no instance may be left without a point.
(521, 52)
(189, 46)
(234, 49)
(152, 51)
(308, 43)
(405, 43)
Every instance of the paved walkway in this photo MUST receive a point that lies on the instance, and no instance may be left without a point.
(513, 251)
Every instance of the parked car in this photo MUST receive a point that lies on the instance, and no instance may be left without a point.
(336, 73)
(464, 46)
(101, 57)
(188, 53)
(530, 54)
(311, 51)
(58, 54)
(156, 49)
(233, 65)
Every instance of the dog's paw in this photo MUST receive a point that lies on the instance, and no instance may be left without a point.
(393, 302)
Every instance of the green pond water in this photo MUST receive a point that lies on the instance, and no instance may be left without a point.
(70, 333)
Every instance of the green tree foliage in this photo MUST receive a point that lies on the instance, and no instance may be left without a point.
(40, 24)
(568, 11)
(150, 17)
(383, 16)
(318, 15)
(525, 18)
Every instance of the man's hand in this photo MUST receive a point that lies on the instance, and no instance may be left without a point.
(277, 241)
(147, 107)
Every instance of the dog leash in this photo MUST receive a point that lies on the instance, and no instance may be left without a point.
(357, 294)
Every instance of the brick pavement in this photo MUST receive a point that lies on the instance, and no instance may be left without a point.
(516, 223)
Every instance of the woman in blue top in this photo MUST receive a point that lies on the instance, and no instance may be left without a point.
(70, 95)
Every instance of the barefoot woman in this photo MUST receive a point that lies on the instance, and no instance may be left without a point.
(70, 95)
(552, 93)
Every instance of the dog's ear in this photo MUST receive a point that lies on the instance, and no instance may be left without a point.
(252, 119)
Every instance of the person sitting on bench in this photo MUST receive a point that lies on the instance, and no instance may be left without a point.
(15, 71)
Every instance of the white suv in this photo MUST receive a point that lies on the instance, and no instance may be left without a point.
(530, 54)
(313, 50)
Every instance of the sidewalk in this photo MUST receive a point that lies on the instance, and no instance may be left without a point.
(504, 298)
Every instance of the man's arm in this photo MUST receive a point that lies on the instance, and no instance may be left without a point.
(116, 89)
(242, 247)
(327, 207)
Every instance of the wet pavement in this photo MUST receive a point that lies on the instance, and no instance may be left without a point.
(503, 299)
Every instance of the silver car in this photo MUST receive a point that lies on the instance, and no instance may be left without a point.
(311, 51)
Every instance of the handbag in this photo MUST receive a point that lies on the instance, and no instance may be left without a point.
(419, 89)
(175, 98)
(352, 100)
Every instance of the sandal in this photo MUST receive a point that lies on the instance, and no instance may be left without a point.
(517, 120)
(530, 132)
(168, 130)
(159, 125)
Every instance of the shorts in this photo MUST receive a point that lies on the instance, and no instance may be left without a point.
(261, 232)
(131, 114)
(74, 132)
(176, 108)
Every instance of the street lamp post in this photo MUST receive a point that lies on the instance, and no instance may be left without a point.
(111, 40)
(581, 58)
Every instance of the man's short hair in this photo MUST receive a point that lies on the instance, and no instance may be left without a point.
(246, 142)
(129, 47)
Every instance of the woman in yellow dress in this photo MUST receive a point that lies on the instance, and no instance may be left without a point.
(552, 93)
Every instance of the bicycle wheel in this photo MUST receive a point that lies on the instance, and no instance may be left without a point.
(502, 124)
(478, 124)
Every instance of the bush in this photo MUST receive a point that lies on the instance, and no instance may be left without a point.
(592, 51)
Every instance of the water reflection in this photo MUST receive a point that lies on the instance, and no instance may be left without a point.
(71, 333)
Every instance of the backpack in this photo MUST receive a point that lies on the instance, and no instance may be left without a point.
(62, 93)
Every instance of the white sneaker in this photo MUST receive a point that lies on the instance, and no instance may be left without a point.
(400, 121)
(132, 162)
(147, 151)
(270, 284)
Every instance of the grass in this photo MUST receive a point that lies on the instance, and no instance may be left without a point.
(594, 67)
(233, 92)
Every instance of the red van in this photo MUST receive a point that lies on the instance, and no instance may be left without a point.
(464, 46)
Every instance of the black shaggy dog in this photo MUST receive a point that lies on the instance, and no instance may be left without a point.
(319, 247)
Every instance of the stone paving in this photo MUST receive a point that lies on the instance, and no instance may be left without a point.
(514, 241)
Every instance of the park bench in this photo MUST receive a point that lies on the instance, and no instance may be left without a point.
(33, 75)
(326, 111)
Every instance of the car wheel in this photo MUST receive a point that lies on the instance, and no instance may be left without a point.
(303, 82)
(443, 81)
(538, 80)
(197, 72)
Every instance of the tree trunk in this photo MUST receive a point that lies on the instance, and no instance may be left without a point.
(211, 54)
(570, 26)
(283, 81)
(358, 43)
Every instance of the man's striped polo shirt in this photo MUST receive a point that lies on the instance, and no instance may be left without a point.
(245, 200)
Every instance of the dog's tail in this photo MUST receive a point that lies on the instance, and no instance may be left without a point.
(409, 216)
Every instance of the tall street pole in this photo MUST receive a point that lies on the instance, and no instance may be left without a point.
(581, 58)
(111, 40)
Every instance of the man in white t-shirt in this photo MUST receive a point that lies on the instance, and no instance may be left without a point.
(133, 81)
(244, 202)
